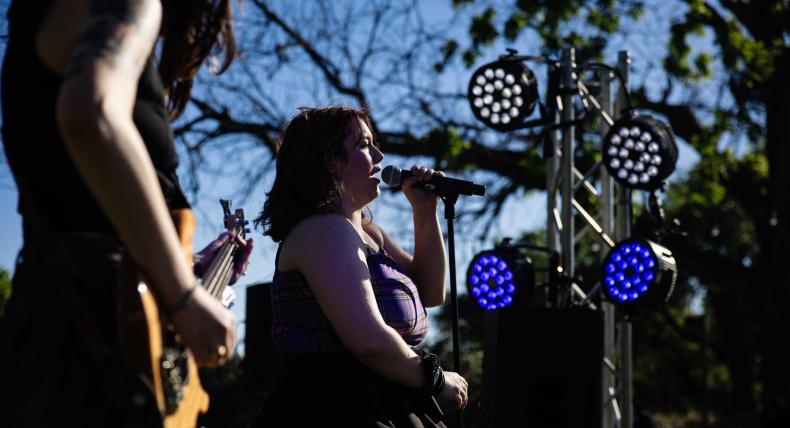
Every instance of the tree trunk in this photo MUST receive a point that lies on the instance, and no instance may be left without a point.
(775, 253)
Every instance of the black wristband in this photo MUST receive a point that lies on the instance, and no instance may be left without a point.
(434, 375)
(182, 301)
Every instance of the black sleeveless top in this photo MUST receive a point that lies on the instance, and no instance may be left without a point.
(32, 141)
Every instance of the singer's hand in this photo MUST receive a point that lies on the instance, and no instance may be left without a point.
(455, 394)
(419, 198)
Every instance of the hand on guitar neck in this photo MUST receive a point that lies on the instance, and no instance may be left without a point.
(168, 340)
(205, 319)
(205, 257)
(218, 265)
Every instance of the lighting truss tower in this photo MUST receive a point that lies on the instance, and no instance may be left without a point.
(611, 224)
(638, 149)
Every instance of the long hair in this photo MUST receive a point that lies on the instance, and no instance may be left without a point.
(310, 156)
(192, 30)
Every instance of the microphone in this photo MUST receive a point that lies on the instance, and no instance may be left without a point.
(442, 186)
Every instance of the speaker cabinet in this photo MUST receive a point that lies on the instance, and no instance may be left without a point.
(260, 358)
(543, 368)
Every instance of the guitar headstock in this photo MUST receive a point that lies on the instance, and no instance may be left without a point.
(234, 221)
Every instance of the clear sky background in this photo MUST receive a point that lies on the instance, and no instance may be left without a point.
(524, 213)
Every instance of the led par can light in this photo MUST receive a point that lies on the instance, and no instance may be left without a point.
(502, 94)
(496, 278)
(638, 272)
(639, 152)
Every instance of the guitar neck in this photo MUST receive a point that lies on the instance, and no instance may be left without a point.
(219, 272)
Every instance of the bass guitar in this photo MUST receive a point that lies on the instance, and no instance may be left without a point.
(151, 344)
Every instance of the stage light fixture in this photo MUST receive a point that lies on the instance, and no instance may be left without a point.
(638, 272)
(503, 94)
(496, 277)
(639, 151)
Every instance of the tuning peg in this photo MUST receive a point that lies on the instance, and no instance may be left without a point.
(226, 203)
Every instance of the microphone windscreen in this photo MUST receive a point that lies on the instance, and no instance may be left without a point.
(391, 175)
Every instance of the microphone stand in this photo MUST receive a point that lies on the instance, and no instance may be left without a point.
(449, 215)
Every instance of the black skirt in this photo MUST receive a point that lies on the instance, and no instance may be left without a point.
(335, 389)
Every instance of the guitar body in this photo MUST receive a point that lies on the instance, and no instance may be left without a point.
(153, 348)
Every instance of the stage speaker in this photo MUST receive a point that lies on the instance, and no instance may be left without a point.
(260, 358)
(543, 368)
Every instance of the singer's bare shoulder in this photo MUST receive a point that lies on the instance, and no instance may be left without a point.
(389, 245)
(313, 234)
(374, 231)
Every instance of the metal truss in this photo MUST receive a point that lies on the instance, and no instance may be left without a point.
(611, 222)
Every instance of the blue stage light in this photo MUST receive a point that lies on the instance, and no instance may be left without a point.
(638, 270)
(496, 277)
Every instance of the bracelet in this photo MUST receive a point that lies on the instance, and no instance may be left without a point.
(434, 375)
(197, 266)
(182, 301)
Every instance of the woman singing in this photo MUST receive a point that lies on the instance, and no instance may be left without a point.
(348, 301)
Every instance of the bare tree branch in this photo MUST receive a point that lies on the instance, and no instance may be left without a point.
(331, 72)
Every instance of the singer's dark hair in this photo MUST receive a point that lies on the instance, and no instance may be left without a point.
(310, 153)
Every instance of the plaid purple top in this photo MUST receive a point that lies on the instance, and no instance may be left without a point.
(299, 326)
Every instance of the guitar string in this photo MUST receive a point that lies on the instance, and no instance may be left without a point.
(222, 263)
(222, 274)
(211, 272)
(221, 278)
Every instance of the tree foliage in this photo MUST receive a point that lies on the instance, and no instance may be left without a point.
(732, 204)
(5, 289)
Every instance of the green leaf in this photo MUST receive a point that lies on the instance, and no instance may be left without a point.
(469, 57)
(482, 29)
(449, 49)
(605, 22)
(5, 289)
(460, 3)
(702, 64)
(514, 25)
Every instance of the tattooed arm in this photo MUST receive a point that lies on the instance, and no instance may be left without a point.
(94, 112)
